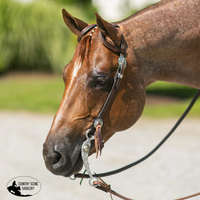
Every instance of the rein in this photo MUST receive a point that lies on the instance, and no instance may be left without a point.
(94, 132)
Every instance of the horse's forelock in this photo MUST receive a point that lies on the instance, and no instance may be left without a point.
(84, 48)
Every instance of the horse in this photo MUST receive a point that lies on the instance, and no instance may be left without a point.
(160, 43)
(14, 190)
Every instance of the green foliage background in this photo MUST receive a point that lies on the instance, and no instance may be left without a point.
(34, 37)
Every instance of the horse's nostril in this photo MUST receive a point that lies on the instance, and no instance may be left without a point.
(59, 161)
(57, 157)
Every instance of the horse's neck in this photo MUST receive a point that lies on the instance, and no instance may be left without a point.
(165, 41)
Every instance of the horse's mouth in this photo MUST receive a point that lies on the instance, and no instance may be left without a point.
(79, 163)
(76, 168)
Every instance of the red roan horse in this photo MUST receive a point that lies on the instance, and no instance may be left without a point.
(162, 43)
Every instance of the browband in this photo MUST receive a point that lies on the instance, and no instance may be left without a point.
(112, 47)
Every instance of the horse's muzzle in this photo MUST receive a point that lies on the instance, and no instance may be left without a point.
(61, 160)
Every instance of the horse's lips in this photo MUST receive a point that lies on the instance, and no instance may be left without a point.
(79, 163)
(76, 168)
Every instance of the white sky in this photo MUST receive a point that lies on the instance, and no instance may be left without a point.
(110, 9)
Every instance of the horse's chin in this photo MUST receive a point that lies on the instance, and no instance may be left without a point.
(76, 168)
(79, 164)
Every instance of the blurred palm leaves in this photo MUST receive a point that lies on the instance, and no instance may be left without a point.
(34, 37)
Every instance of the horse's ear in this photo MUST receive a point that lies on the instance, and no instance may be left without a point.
(109, 30)
(74, 24)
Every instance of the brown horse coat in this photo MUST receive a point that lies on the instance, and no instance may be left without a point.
(163, 43)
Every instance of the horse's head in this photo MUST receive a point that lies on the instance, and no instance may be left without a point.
(88, 80)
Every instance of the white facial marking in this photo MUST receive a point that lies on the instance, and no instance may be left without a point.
(77, 66)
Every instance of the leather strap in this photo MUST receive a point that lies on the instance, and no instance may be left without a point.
(117, 79)
(101, 185)
(98, 141)
(85, 30)
(103, 40)
(112, 47)
(188, 197)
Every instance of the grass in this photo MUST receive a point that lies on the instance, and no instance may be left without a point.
(43, 94)
(171, 90)
(168, 111)
(34, 36)
(182, 95)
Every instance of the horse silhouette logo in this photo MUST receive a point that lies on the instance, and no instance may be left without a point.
(23, 186)
(15, 190)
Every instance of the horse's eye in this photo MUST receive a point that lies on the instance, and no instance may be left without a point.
(101, 81)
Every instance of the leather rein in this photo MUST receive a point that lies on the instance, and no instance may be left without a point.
(94, 132)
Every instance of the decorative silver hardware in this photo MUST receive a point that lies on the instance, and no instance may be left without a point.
(98, 121)
(119, 75)
(85, 149)
(122, 60)
(92, 31)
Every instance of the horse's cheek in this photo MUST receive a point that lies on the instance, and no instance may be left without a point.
(125, 111)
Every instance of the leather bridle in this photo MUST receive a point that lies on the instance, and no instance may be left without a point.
(95, 129)
(94, 132)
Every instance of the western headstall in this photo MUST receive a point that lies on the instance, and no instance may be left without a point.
(95, 129)
(94, 132)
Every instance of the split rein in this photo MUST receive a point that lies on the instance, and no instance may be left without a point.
(94, 133)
